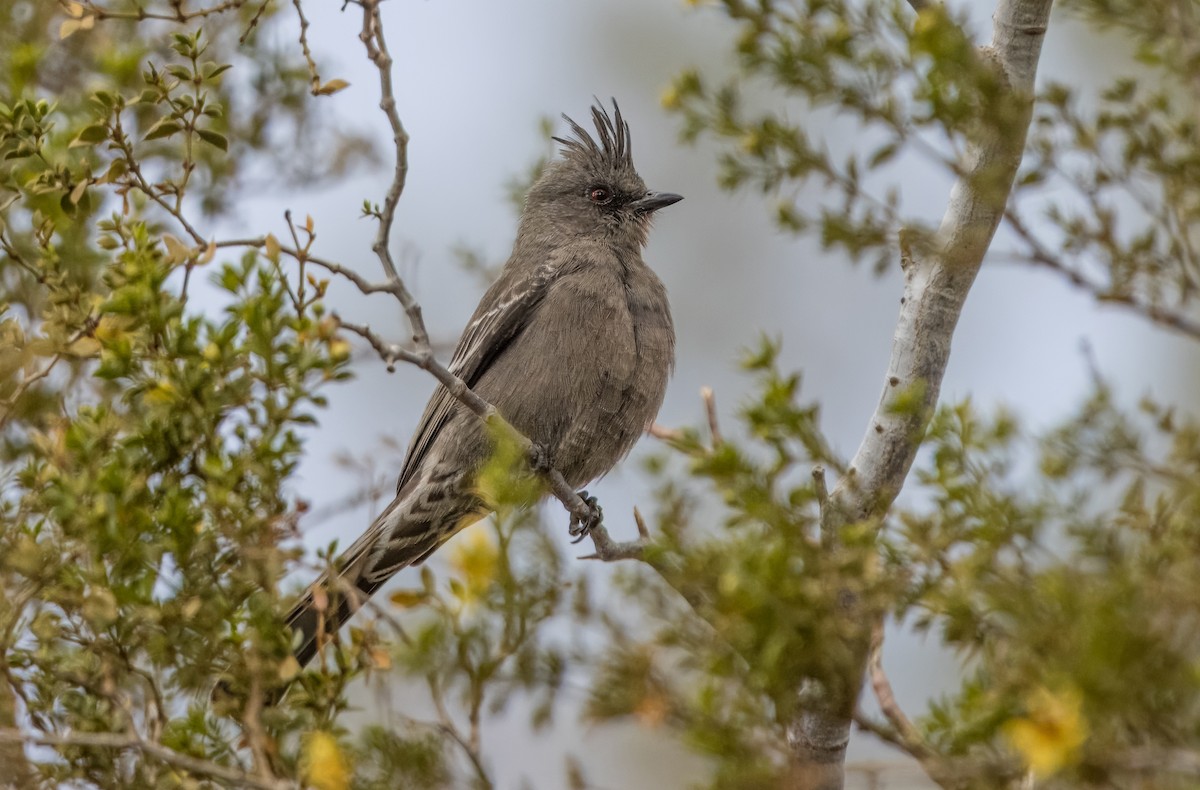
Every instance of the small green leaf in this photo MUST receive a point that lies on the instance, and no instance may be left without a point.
(90, 135)
(164, 128)
(212, 71)
(214, 138)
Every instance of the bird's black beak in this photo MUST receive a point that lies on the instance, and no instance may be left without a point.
(653, 201)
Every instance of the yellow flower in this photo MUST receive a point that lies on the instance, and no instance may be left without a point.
(1049, 735)
(323, 763)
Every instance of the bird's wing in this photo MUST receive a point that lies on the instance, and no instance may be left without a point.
(503, 313)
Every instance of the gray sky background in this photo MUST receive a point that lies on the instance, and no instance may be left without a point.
(472, 79)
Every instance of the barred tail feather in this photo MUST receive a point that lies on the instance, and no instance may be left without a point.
(412, 527)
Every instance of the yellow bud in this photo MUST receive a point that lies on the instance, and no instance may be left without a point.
(1048, 737)
(323, 764)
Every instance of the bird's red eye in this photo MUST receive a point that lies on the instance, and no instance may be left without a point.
(599, 194)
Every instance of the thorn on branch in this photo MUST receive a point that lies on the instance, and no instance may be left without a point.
(824, 509)
(641, 524)
(664, 433)
(710, 409)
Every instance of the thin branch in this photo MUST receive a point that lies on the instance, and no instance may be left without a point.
(446, 725)
(910, 737)
(313, 76)
(609, 550)
(1040, 256)
(710, 410)
(139, 14)
(262, 7)
(9, 404)
(377, 51)
(824, 511)
(364, 285)
(664, 433)
(113, 740)
(136, 178)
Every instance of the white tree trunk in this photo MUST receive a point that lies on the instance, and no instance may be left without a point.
(936, 284)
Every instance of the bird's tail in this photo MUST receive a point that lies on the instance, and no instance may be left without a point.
(340, 598)
(405, 534)
(340, 592)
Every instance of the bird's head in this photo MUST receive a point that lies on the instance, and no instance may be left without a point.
(593, 190)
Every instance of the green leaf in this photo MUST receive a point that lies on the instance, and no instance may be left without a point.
(214, 139)
(212, 71)
(164, 128)
(90, 135)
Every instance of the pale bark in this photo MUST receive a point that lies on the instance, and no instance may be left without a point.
(937, 279)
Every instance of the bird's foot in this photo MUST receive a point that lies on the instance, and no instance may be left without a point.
(539, 458)
(581, 527)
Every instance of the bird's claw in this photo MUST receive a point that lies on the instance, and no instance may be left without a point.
(539, 459)
(581, 527)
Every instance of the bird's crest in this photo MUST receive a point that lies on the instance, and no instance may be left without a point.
(615, 148)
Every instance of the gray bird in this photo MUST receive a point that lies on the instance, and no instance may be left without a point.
(573, 344)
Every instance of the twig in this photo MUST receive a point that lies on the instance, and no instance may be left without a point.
(446, 724)
(609, 550)
(710, 409)
(910, 737)
(377, 51)
(10, 403)
(824, 508)
(112, 740)
(256, 736)
(253, 21)
(641, 524)
(1040, 256)
(664, 433)
(364, 285)
(314, 77)
(139, 14)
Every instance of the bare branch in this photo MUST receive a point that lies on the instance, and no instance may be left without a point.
(1038, 255)
(180, 16)
(710, 409)
(314, 78)
(364, 285)
(641, 524)
(609, 550)
(372, 38)
(664, 433)
(828, 530)
(113, 740)
(909, 736)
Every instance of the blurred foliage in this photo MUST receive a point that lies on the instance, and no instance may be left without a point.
(1067, 586)
(148, 445)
